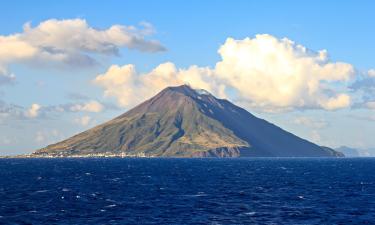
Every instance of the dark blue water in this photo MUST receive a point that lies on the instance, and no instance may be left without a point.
(187, 191)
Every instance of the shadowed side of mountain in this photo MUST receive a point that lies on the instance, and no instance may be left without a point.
(265, 138)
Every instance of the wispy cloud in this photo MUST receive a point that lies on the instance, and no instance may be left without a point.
(364, 88)
(363, 117)
(11, 112)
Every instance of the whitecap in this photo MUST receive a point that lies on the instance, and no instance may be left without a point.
(111, 206)
(199, 194)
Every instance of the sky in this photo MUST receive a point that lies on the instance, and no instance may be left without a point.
(67, 66)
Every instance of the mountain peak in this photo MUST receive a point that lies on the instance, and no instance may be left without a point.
(187, 90)
(181, 88)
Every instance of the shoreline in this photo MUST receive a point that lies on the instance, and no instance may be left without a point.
(26, 156)
(31, 156)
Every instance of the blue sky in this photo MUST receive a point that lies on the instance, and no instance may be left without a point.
(192, 33)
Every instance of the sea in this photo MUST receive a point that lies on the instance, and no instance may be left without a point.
(187, 191)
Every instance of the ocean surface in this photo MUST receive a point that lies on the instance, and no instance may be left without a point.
(187, 191)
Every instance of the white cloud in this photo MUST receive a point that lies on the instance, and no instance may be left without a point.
(70, 42)
(84, 120)
(11, 112)
(33, 111)
(76, 34)
(277, 73)
(264, 73)
(337, 102)
(91, 106)
(129, 87)
(371, 72)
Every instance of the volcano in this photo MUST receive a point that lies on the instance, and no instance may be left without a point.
(184, 122)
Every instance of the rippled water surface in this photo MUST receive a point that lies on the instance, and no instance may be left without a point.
(187, 191)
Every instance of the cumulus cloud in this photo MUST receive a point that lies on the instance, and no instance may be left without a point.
(130, 87)
(337, 102)
(33, 111)
(70, 42)
(83, 121)
(278, 73)
(263, 72)
(54, 35)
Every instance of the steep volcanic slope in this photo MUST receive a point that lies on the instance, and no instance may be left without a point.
(183, 122)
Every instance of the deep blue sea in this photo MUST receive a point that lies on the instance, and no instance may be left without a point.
(187, 191)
